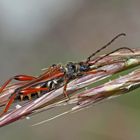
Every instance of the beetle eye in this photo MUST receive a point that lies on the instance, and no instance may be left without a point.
(53, 65)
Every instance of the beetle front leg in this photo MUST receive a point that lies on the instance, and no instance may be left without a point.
(66, 80)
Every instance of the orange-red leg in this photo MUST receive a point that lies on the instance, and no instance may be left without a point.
(32, 90)
(17, 77)
(65, 88)
(25, 92)
(50, 74)
(94, 71)
(12, 98)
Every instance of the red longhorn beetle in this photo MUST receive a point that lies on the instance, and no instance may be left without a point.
(65, 73)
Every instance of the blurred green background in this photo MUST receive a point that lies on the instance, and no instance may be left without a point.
(37, 33)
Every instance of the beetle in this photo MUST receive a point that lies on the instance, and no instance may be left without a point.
(56, 75)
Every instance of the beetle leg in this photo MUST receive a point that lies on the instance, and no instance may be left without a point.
(65, 88)
(94, 71)
(18, 78)
(12, 98)
(29, 91)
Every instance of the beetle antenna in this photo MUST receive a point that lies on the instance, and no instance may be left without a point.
(100, 58)
(105, 46)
